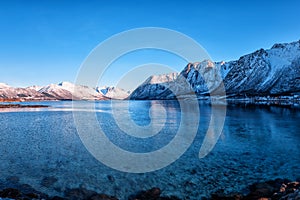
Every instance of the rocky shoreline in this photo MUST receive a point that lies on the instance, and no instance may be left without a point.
(278, 189)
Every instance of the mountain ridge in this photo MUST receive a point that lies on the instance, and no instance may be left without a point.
(274, 71)
(270, 72)
(61, 91)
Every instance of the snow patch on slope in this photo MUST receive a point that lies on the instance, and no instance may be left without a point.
(114, 93)
(162, 78)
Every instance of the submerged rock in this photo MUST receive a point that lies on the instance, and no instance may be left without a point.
(48, 181)
(102, 197)
(13, 179)
(111, 178)
(79, 193)
(85, 194)
(152, 194)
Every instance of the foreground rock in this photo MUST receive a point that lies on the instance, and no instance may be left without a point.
(152, 194)
(279, 189)
(24, 193)
(70, 194)
(84, 194)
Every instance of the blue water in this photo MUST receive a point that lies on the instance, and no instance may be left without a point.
(256, 144)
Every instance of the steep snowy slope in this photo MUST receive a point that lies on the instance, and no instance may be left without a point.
(113, 92)
(199, 78)
(154, 87)
(270, 72)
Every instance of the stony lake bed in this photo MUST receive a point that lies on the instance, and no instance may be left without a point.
(45, 154)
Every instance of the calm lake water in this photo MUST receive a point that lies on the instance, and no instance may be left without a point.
(256, 144)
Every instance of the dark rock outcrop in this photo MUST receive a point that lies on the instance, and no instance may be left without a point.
(279, 189)
(152, 194)
(85, 194)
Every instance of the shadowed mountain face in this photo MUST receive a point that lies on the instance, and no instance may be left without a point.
(275, 71)
(271, 72)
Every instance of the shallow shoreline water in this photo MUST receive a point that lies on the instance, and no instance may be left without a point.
(257, 144)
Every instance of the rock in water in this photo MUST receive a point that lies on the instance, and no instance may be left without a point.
(48, 181)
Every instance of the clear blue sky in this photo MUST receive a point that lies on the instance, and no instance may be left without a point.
(45, 42)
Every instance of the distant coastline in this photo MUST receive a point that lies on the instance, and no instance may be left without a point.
(289, 101)
(22, 106)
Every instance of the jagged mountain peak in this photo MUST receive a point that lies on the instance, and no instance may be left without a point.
(198, 65)
(162, 78)
(284, 45)
(66, 84)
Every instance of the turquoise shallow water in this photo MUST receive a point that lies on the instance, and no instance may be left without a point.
(256, 144)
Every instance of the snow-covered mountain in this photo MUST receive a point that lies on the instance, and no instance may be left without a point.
(154, 87)
(113, 92)
(67, 90)
(271, 72)
(275, 71)
(60, 91)
(4, 85)
(35, 87)
(8, 92)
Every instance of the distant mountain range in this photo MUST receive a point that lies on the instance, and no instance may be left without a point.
(61, 91)
(271, 72)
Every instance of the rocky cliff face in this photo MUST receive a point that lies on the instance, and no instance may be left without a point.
(275, 71)
(200, 78)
